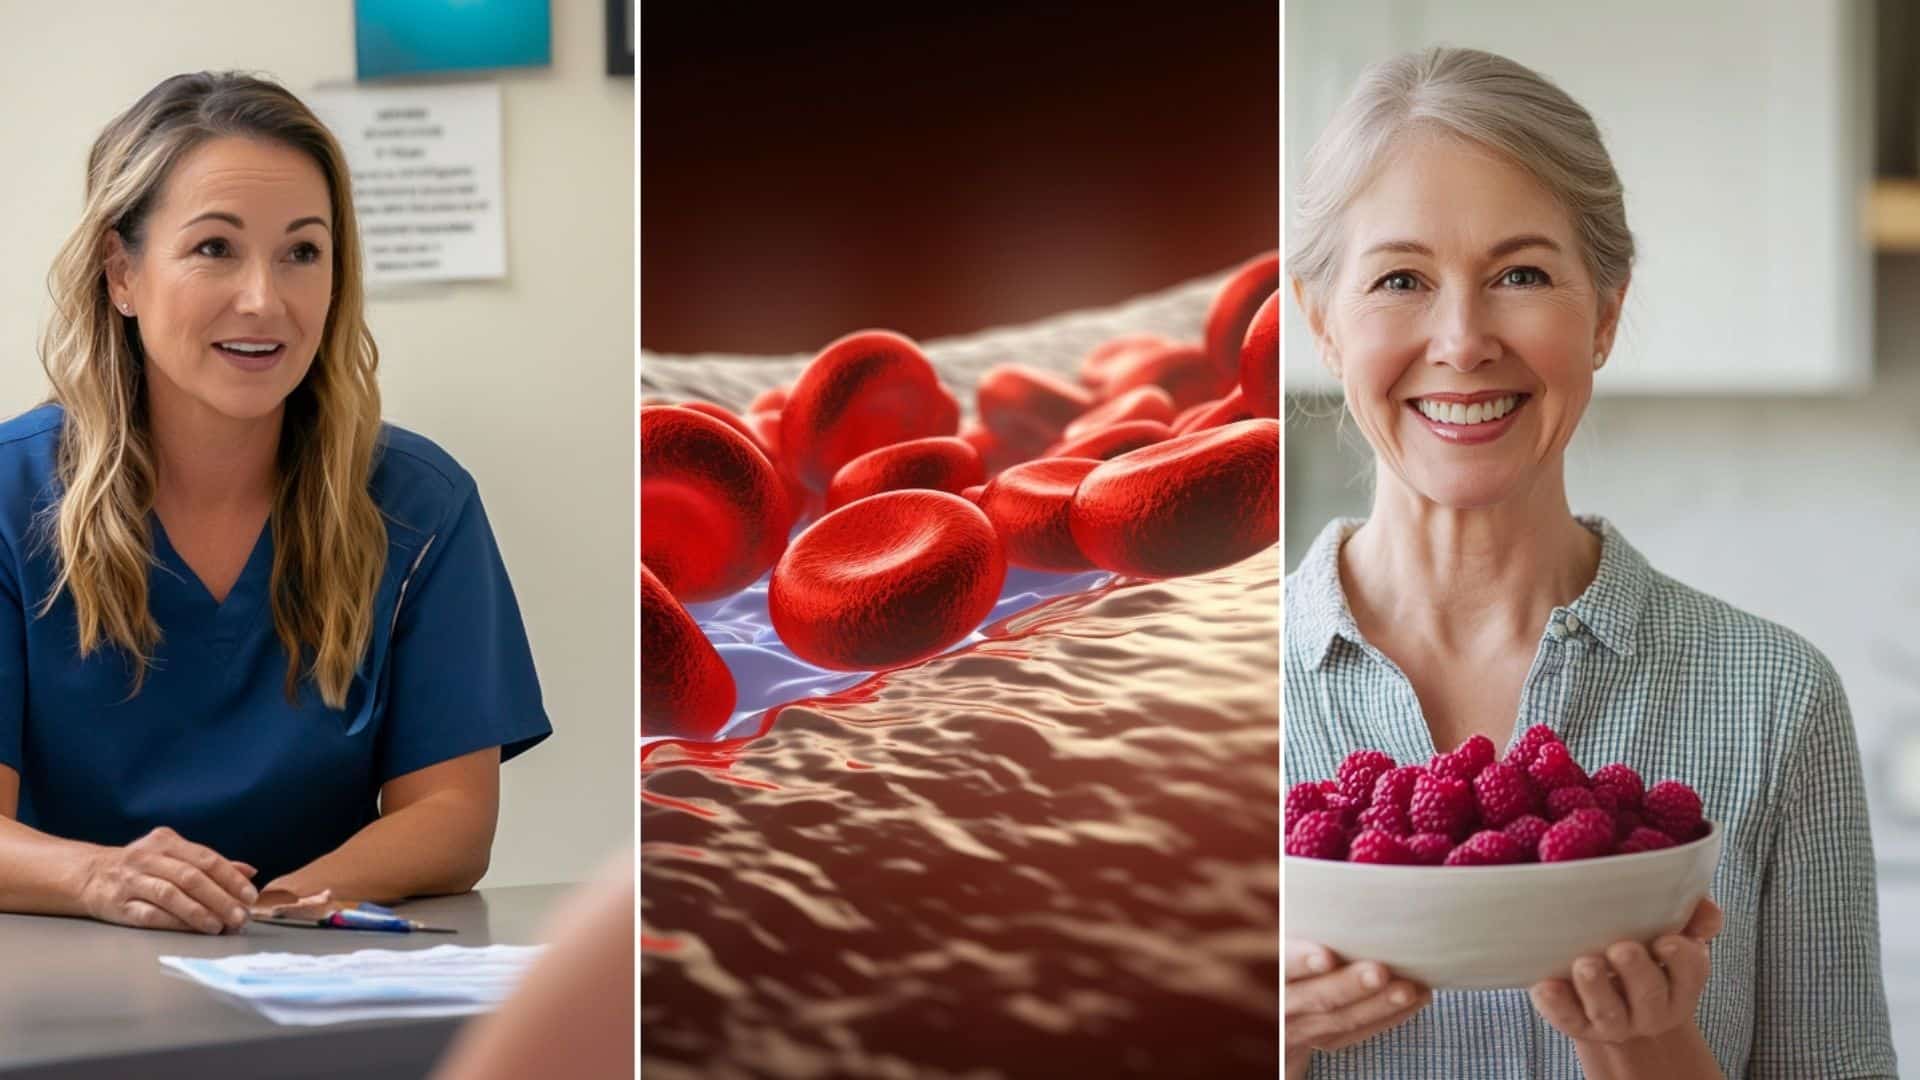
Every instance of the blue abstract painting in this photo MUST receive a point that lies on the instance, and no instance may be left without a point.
(410, 37)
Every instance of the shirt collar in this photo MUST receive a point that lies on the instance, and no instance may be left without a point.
(1316, 607)
(1610, 607)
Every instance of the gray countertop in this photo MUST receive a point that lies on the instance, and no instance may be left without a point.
(80, 999)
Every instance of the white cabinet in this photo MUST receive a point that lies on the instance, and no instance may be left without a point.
(1740, 129)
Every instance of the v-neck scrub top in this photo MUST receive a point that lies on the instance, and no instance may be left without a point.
(1644, 670)
(210, 746)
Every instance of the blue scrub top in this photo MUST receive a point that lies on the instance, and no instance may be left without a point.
(210, 746)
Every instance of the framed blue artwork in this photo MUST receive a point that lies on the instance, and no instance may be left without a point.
(413, 37)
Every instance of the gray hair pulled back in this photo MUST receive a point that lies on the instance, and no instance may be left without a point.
(1483, 98)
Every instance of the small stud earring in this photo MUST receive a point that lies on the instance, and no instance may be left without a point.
(1599, 360)
(126, 309)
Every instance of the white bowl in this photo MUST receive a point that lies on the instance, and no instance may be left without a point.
(1488, 927)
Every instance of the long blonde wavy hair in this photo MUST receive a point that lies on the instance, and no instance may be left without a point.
(330, 544)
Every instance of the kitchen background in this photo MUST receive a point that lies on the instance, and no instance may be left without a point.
(1757, 434)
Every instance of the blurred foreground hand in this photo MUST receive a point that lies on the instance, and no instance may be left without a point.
(573, 1015)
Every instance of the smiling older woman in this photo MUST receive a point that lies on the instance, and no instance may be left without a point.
(247, 631)
(1464, 260)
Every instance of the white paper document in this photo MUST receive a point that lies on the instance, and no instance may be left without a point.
(428, 179)
(372, 984)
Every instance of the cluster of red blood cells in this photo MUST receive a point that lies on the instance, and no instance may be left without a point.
(1162, 460)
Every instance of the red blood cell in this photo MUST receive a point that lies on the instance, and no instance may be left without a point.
(992, 455)
(1183, 371)
(941, 463)
(766, 431)
(1113, 440)
(1233, 308)
(1190, 504)
(685, 688)
(713, 512)
(1230, 409)
(1183, 423)
(1029, 506)
(869, 389)
(726, 417)
(975, 434)
(1139, 403)
(1260, 360)
(769, 401)
(1102, 357)
(887, 581)
(801, 503)
(1027, 409)
(972, 494)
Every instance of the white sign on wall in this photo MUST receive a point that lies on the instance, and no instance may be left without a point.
(427, 179)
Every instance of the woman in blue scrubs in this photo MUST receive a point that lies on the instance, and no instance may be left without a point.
(252, 640)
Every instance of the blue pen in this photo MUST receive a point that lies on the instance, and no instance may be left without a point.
(360, 919)
(368, 916)
(354, 919)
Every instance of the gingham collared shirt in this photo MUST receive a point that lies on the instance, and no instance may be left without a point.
(1644, 670)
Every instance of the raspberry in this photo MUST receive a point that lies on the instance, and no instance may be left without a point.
(1441, 804)
(1429, 849)
(1319, 835)
(1625, 784)
(1375, 846)
(1359, 771)
(1386, 817)
(1583, 834)
(1488, 847)
(1625, 822)
(1396, 785)
(1528, 830)
(1645, 839)
(1503, 793)
(1465, 808)
(1479, 750)
(1347, 809)
(1554, 768)
(1529, 744)
(1465, 761)
(1564, 801)
(1303, 799)
(1673, 808)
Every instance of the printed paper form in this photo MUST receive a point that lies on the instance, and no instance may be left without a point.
(371, 984)
(428, 179)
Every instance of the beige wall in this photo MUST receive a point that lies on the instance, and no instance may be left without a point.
(528, 382)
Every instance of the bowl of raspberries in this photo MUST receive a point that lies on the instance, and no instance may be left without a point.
(1474, 871)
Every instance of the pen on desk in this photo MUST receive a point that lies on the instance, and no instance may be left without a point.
(351, 919)
(356, 919)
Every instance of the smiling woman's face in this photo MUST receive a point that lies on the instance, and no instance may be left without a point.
(1462, 323)
(234, 278)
